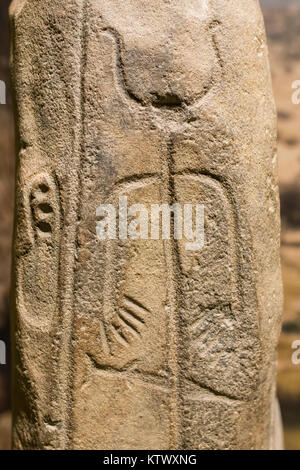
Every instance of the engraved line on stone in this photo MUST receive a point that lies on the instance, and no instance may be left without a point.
(168, 101)
(135, 307)
(132, 317)
(34, 184)
(197, 385)
(226, 189)
(233, 224)
(66, 367)
(120, 68)
(213, 81)
(136, 182)
(109, 279)
(162, 103)
(212, 26)
(172, 261)
(233, 217)
(126, 323)
(119, 336)
(129, 316)
(132, 374)
(104, 338)
(172, 174)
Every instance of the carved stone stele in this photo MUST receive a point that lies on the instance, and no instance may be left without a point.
(142, 344)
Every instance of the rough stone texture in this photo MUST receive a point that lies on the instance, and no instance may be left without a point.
(161, 101)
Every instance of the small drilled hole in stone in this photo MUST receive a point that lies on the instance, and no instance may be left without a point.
(45, 207)
(44, 227)
(44, 188)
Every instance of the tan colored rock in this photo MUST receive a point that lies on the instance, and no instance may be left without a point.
(142, 344)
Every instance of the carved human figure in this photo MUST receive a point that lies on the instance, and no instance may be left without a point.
(142, 344)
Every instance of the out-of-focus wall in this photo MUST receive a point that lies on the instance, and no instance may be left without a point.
(283, 29)
(6, 220)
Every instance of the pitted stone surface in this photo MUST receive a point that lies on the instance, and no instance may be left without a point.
(141, 344)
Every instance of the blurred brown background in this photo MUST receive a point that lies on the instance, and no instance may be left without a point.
(283, 28)
(6, 219)
(282, 19)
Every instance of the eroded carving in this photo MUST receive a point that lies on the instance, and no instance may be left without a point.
(38, 267)
(127, 324)
(153, 76)
(137, 107)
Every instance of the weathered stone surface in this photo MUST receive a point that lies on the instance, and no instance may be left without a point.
(143, 344)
